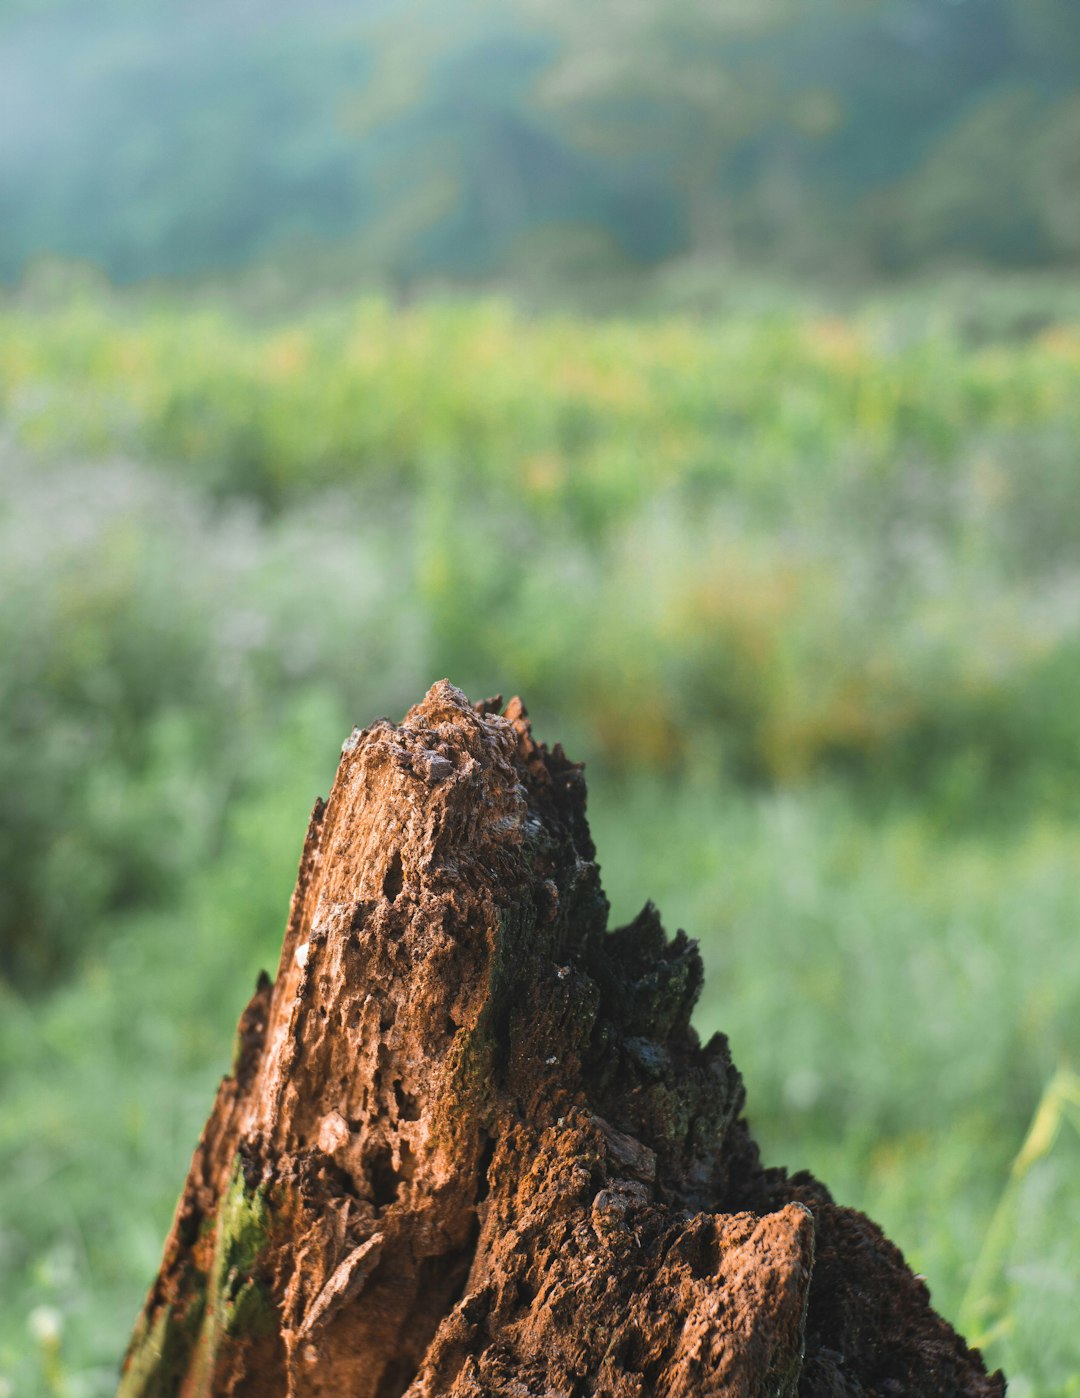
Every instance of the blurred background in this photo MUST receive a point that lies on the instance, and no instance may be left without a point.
(708, 372)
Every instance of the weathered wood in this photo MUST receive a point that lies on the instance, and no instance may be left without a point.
(472, 1146)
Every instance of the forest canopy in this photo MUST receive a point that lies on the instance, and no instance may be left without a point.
(416, 139)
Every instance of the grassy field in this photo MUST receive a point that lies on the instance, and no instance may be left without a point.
(802, 589)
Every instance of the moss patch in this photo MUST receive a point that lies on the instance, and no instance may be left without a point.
(238, 1306)
(159, 1351)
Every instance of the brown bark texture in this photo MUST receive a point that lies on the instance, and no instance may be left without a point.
(471, 1144)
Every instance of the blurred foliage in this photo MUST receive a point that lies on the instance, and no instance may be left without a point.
(802, 585)
(148, 638)
(779, 545)
(538, 140)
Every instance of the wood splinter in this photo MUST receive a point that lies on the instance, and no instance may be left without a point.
(472, 1146)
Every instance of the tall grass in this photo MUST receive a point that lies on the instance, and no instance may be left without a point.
(818, 542)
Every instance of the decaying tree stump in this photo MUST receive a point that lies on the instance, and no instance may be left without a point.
(472, 1146)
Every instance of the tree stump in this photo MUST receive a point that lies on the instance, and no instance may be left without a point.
(471, 1145)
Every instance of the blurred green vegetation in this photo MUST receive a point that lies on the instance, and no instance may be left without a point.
(539, 141)
(801, 585)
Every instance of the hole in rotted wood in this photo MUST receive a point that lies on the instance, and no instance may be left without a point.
(628, 1352)
(407, 1108)
(394, 878)
(383, 1178)
(360, 914)
(707, 1261)
(338, 1178)
(487, 1154)
(441, 1284)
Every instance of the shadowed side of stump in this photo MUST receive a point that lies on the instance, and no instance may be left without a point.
(471, 1145)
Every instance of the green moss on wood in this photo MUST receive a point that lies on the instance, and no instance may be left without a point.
(238, 1306)
(160, 1349)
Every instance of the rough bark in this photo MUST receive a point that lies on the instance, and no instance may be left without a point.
(471, 1145)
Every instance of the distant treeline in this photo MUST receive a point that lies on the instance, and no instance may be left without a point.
(412, 139)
